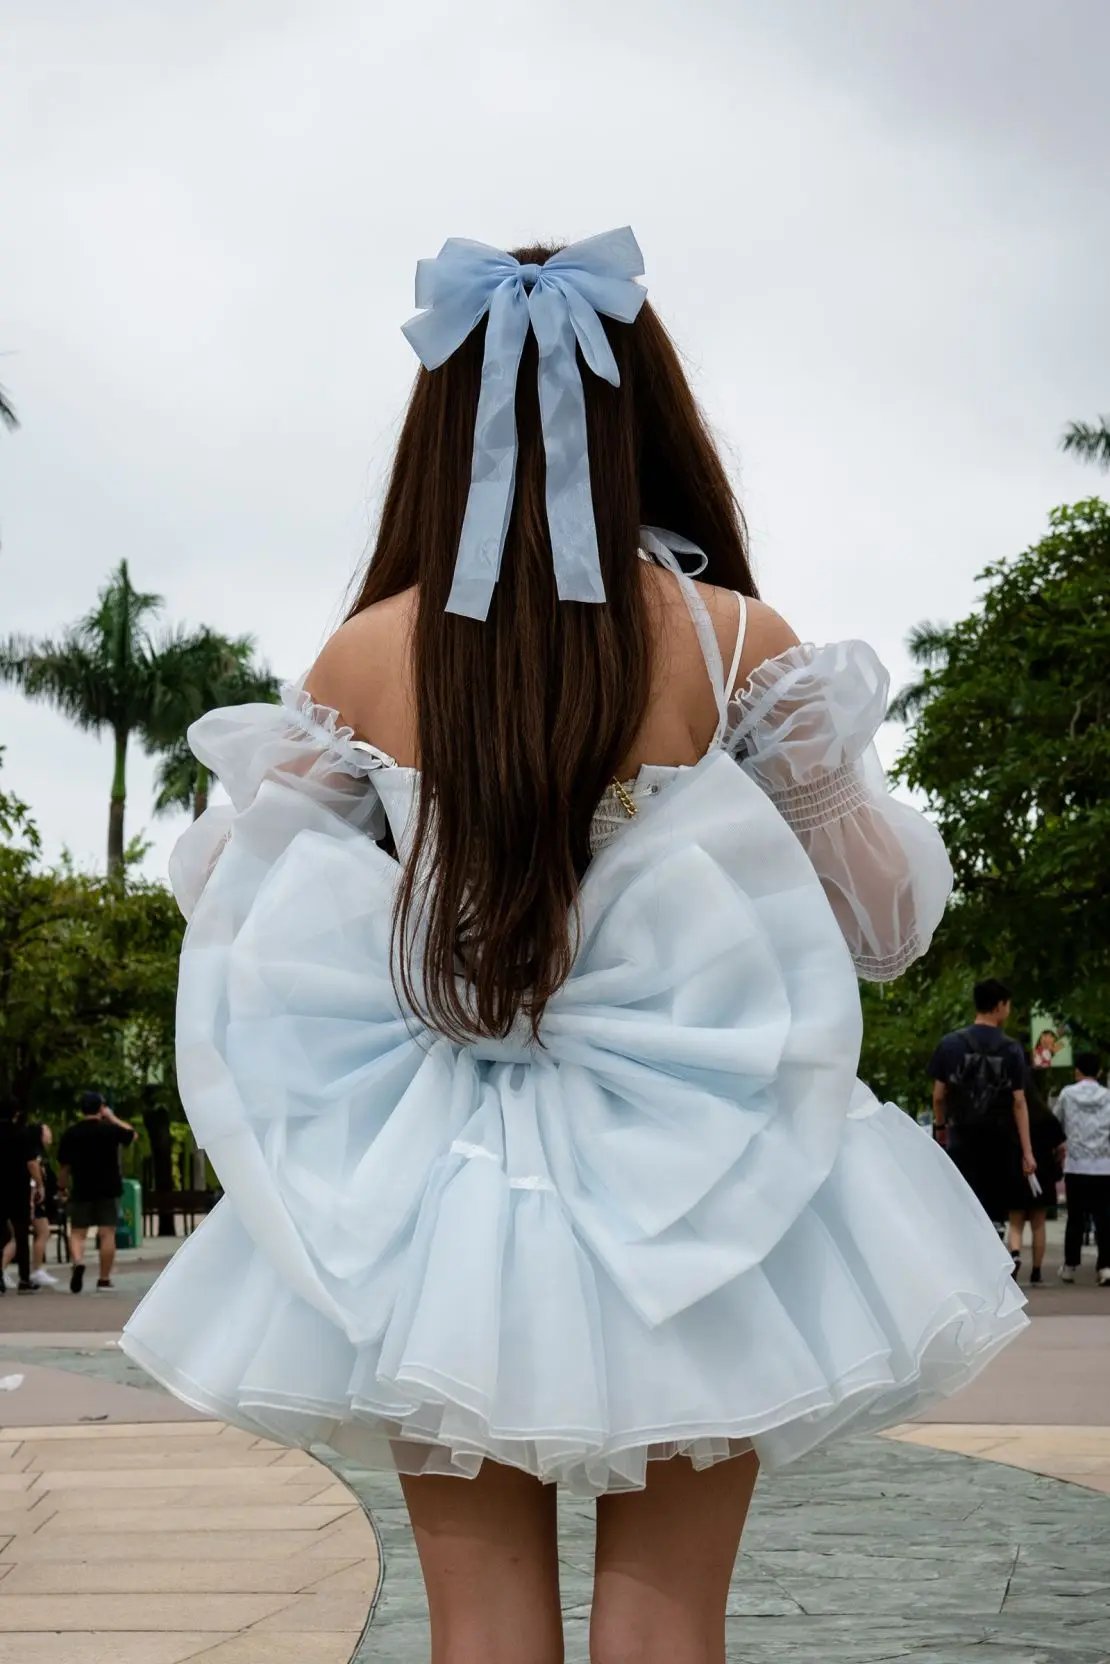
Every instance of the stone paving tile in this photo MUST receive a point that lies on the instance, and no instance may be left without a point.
(94, 1457)
(332, 1647)
(249, 1481)
(356, 1578)
(212, 1556)
(869, 1552)
(136, 1610)
(104, 1649)
(194, 1431)
(206, 1577)
(295, 1517)
(314, 1612)
(160, 1545)
(180, 1499)
(1080, 1454)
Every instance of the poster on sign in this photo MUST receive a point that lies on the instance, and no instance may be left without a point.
(1050, 1042)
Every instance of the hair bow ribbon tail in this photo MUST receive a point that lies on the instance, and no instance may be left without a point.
(566, 293)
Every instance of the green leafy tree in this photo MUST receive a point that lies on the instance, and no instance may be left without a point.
(1011, 747)
(1089, 441)
(88, 973)
(213, 670)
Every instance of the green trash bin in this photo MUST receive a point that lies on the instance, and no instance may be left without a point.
(129, 1216)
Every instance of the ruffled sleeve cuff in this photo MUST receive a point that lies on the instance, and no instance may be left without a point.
(803, 727)
(298, 745)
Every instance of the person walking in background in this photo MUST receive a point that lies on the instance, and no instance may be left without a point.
(1083, 1111)
(43, 1213)
(1033, 1196)
(90, 1175)
(979, 1100)
(20, 1187)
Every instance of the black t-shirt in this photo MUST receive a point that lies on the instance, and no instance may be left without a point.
(945, 1061)
(18, 1146)
(954, 1047)
(90, 1149)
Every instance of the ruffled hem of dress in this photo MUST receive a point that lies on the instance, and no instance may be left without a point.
(842, 1329)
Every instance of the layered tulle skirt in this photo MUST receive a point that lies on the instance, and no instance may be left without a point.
(680, 1225)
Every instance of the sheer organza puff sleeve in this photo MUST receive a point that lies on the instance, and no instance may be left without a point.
(803, 727)
(259, 752)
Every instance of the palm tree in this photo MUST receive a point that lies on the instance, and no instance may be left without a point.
(1089, 440)
(103, 672)
(927, 645)
(7, 411)
(211, 670)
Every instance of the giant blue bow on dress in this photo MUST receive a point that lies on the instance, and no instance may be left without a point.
(560, 300)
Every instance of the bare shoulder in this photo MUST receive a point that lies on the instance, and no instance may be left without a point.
(768, 635)
(360, 669)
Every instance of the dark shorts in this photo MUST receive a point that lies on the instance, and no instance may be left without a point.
(86, 1214)
(985, 1163)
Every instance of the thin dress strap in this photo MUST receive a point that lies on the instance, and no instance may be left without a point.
(653, 544)
(734, 667)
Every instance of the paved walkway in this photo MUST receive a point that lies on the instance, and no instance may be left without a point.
(166, 1541)
(979, 1536)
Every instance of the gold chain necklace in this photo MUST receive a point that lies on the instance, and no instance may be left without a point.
(624, 798)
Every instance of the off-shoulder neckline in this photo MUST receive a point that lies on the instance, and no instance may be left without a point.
(750, 700)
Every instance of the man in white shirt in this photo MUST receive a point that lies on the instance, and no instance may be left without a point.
(1083, 1111)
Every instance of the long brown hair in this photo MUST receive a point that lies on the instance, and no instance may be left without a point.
(523, 719)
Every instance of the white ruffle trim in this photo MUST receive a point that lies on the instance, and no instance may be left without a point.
(847, 1326)
(322, 725)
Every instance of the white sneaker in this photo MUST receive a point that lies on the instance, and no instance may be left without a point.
(1104, 1277)
(42, 1278)
(11, 1278)
(1067, 1273)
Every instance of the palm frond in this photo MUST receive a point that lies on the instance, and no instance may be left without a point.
(176, 780)
(61, 673)
(908, 702)
(1090, 441)
(7, 411)
(197, 672)
(928, 644)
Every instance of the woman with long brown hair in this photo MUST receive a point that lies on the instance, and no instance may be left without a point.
(519, 1012)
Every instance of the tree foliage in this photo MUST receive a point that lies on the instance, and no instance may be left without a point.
(1011, 747)
(88, 971)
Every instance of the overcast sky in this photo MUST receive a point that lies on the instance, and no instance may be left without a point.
(879, 230)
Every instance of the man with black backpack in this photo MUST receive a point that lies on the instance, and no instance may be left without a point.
(979, 1101)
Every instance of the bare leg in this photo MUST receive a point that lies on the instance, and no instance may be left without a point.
(664, 1560)
(106, 1248)
(77, 1235)
(1040, 1237)
(40, 1242)
(1017, 1232)
(490, 1558)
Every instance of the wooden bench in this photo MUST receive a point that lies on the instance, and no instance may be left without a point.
(188, 1203)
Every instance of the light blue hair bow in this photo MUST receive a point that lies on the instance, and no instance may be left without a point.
(560, 300)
